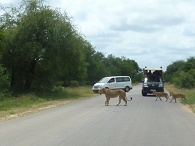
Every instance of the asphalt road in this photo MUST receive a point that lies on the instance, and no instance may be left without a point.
(143, 122)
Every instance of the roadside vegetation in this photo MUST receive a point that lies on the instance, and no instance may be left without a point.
(181, 73)
(181, 78)
(24, 104)
(189, 93)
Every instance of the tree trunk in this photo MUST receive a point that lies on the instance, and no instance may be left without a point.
(30, 75)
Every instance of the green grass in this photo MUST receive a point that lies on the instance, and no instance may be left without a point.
(21, 101)
(189, 93)
(36, 101)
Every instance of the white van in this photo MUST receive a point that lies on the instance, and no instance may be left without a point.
(113, 82)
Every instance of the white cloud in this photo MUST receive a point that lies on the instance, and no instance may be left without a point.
(9, 2)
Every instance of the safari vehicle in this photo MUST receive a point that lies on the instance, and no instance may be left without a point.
(113, 82)
(152, 80)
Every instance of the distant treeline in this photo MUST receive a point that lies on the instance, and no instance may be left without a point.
(41, 48)
(182, 73)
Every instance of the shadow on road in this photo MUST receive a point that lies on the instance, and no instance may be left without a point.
(150, 95)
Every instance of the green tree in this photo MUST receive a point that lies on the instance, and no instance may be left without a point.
(182, 73)
(96, 69)
(190, 64)
(4, 76)
(172, 72)
(122, 66)
(42, 46)
(112, 64)
(187, 79)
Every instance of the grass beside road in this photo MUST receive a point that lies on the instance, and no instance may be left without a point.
(189, 93)
(25, 104)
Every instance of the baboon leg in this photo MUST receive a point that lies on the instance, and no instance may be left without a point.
(156, 98)
(160, 98)
(175, 100)
(171, 100)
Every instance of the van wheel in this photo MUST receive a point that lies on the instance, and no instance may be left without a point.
(127, 89)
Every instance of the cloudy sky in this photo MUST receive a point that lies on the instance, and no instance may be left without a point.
(154, 33)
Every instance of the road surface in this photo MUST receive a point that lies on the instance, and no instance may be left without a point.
(144, 122)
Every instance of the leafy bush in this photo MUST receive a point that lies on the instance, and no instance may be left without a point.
(186, 80)
(4, 83)
(74, 83)
(182, 73)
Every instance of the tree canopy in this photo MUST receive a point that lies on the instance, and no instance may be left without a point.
(41, 48)
(182, 73)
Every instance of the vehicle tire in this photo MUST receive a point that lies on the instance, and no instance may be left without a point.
(127, 89)
(144, 93)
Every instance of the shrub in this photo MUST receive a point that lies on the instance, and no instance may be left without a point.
(4, 83)
(74, 83)
(186, 80)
